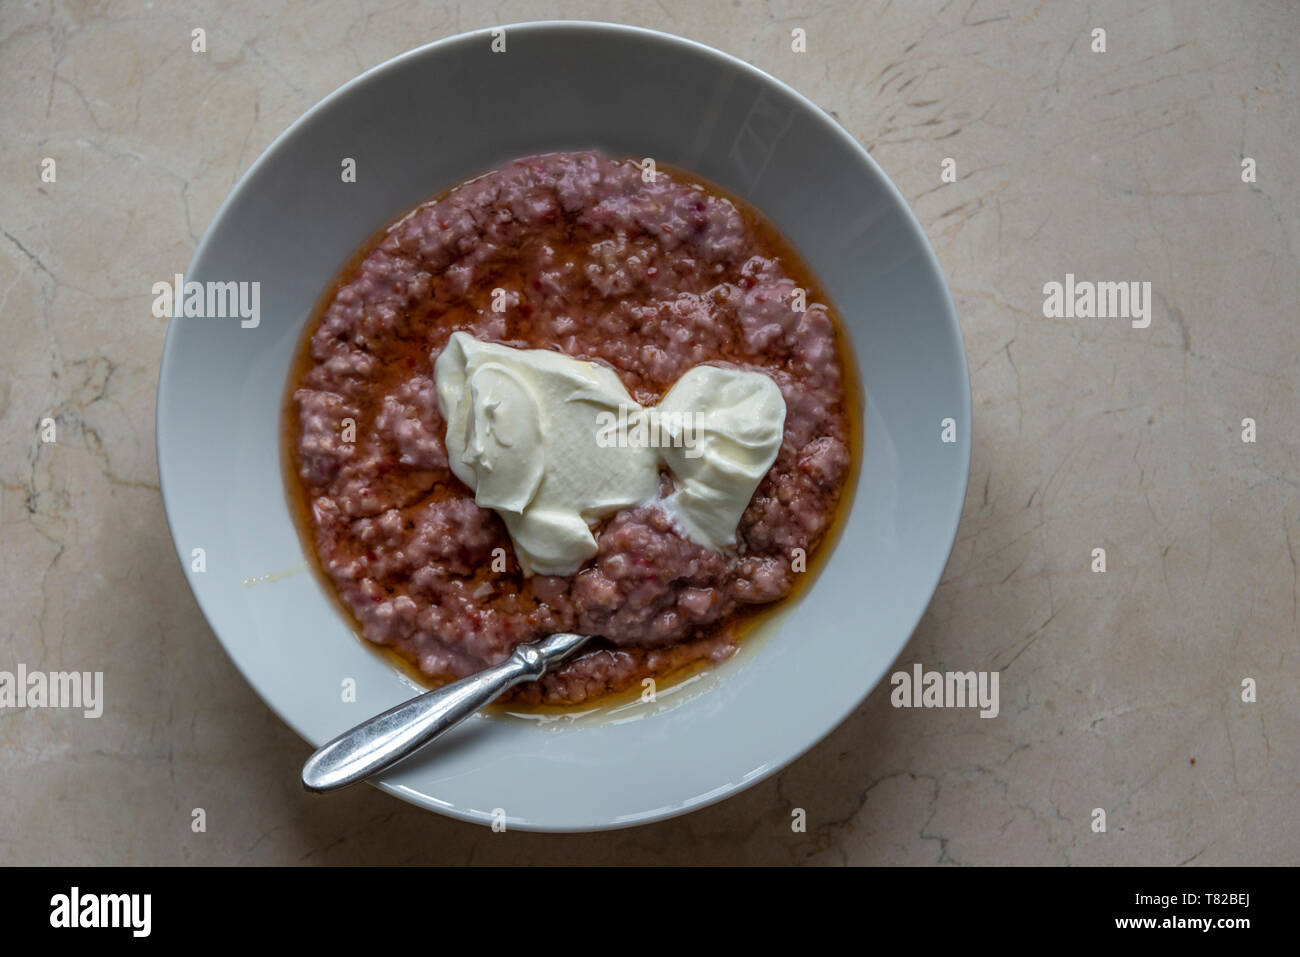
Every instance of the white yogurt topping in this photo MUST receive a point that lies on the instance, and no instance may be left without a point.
(738, 419)
(553, 444)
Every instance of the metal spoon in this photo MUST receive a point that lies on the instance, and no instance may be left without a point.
(381, 742)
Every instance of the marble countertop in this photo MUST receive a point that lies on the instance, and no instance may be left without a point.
(1120, 691)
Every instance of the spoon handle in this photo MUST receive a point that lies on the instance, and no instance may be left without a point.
(385, 739)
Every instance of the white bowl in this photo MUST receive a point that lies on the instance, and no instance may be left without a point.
(434, 117)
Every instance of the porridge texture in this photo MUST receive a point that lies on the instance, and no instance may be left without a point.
(577, 253)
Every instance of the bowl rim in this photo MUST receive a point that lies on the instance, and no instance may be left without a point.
(731, 62)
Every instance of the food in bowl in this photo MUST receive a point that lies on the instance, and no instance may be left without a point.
(572, 394)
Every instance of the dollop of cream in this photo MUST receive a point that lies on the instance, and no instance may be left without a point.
(553, 444)
(738, 418)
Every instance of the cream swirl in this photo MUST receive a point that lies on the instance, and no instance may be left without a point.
(553, 444)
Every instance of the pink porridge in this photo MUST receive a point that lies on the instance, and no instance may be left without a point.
(581, 254)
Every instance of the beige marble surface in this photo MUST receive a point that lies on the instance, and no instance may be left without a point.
(1119, 690)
